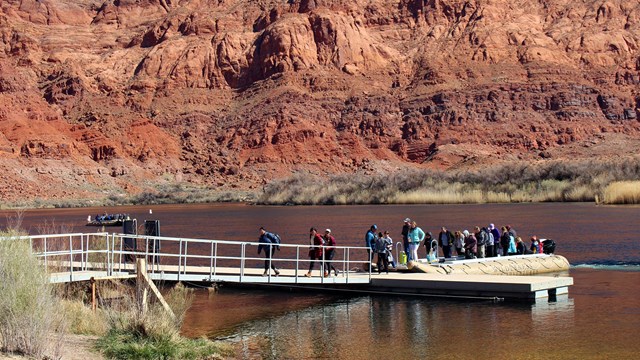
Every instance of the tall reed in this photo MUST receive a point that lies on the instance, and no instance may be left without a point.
(556, 181)
(622, 192)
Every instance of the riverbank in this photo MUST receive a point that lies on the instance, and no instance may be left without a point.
(560, 181)
(606, 183)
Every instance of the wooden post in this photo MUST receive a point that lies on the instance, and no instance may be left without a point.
(93, 294)
(143, 284)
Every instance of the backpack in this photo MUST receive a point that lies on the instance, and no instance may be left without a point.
(277, 241)
(482, 238)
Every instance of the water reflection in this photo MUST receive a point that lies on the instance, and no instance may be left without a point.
(384, 327)
(599, 319)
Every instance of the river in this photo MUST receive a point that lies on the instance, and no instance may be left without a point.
(599, 319)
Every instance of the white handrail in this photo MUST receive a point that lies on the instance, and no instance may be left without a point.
(55, 248)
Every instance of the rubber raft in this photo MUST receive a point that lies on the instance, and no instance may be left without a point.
(506, 265)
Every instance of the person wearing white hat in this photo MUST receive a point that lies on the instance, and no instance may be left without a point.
(470, 245)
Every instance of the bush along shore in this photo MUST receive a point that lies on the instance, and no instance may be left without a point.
(36, 316)
(587, 181)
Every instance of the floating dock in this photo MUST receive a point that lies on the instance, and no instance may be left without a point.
(80, 257)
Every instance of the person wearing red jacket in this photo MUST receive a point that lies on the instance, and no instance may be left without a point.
(329, 253)
(315, 249)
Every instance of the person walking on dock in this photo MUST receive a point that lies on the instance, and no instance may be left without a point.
(269, 242)
(416, 236)
(329, 253)
(405, 237)
(315, 250)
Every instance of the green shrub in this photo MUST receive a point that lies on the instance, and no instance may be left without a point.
(156, 334)
(121, 344)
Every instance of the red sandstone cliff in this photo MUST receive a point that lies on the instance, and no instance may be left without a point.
(106, 97)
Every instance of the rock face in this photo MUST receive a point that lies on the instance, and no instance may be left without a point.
(102, 97)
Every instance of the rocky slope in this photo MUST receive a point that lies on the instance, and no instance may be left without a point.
(99, 98)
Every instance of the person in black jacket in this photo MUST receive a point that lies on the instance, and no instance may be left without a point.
(269, 242)
(445, 240)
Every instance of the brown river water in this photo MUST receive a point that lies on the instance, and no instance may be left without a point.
(599, 319)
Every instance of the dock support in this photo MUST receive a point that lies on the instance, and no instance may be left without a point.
(93, 293)
(143, 284)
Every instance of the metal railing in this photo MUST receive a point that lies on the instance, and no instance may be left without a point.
(116, 253)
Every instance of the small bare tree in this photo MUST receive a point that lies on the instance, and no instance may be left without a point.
(14, 221)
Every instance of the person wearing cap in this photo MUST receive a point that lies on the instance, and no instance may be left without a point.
(405, 237)
(329, 253)
(535, 245)
(416, 236)
(370, 240)
(269, 242)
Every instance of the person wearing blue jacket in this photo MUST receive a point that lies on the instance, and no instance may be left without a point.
(416, 235)
(269, 242)
(370, 239)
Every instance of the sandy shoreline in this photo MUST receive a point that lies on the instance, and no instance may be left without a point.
(74, 347)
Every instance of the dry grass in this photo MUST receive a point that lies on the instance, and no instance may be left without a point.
(517, 182)
(28, 308)
(622, 192)
(156, 334)
(82, 320)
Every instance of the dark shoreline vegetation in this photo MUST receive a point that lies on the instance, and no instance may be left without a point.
(602, 182)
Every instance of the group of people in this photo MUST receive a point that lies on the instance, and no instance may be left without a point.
(321, 250)
(109, 217)
(381, 244)
(482, 242)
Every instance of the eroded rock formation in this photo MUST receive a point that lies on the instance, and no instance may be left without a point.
(103, 97)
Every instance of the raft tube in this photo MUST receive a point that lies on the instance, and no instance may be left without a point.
(505, 265)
